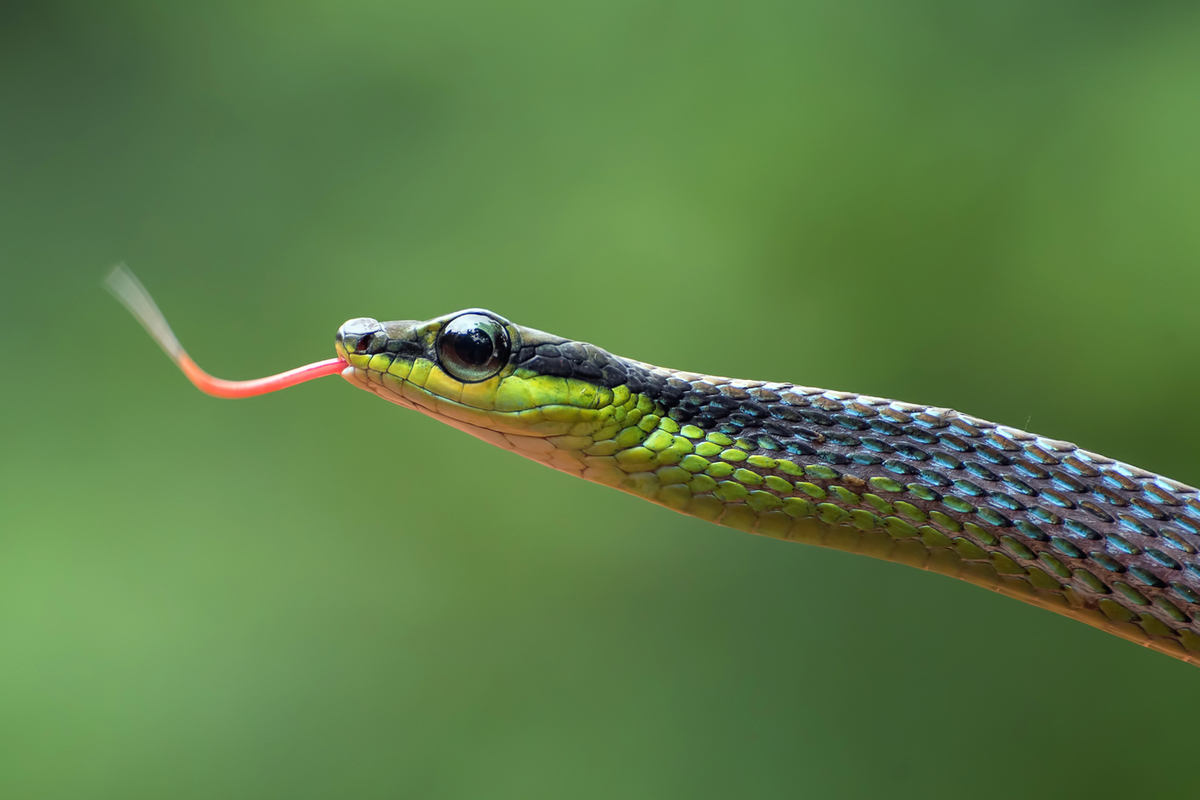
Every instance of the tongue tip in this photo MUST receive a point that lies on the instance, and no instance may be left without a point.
(125, 286)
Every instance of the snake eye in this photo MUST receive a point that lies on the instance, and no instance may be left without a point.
(473, 347)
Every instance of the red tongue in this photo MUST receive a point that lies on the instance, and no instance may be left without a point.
(218, 387)
(129, 290)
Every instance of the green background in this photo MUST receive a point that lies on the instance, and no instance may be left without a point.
(989, 206)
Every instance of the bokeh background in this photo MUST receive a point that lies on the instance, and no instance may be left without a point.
(990, 206)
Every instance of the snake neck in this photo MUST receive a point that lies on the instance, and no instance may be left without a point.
(1033, 518)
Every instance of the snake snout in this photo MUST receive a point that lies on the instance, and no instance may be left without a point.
(363, 335)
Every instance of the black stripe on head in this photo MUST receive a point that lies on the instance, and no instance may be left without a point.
(566, 359)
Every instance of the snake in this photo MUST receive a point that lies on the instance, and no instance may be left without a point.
(1033, 518)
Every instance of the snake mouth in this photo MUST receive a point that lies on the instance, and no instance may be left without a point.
(545, 441)
(414, 396)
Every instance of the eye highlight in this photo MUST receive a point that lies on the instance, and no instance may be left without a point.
(473, 347)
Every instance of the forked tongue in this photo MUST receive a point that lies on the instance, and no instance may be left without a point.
(128, 289)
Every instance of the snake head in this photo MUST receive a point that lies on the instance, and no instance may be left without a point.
(540, 395)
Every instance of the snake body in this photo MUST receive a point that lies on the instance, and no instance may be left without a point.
(1036, 519)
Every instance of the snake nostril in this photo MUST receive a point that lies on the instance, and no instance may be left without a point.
(360, 336)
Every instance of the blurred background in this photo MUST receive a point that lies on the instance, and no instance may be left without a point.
(988, 206)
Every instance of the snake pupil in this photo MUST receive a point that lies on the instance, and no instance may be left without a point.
(474, 347)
